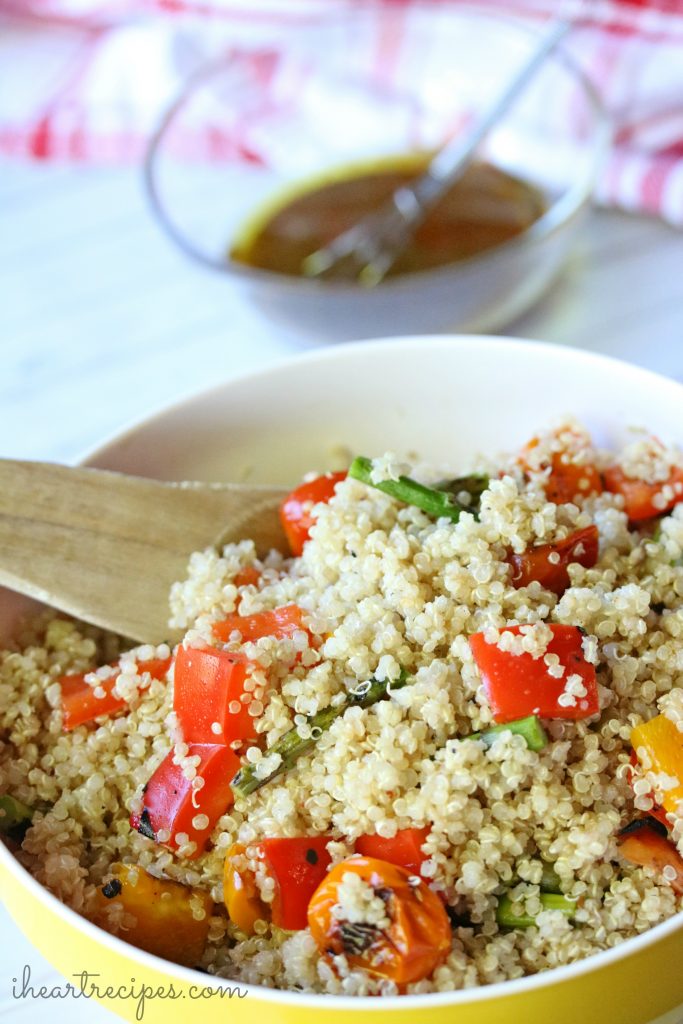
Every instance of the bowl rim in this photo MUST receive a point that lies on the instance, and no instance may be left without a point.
(488, 346)
(560, 213)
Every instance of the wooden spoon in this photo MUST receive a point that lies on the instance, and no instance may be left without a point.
(106, 547)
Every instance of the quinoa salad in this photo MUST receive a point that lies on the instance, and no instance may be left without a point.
(437, 744)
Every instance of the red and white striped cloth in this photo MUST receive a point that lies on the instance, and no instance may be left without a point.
(86, 80)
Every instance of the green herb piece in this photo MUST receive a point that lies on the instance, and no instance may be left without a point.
(292, 745)
(530, 728)
(15, 817)
(436, 502)
(550, 901)
(550, 880)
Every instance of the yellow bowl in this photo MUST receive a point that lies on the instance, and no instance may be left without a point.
(445, 398)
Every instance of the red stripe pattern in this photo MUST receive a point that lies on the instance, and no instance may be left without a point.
(86, 80)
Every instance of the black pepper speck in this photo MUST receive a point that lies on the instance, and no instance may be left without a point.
(112, 889)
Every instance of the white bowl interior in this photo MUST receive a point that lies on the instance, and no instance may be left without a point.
(443, 398)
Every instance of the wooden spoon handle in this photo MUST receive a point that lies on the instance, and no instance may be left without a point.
(106, 547)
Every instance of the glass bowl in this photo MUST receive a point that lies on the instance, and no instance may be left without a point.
(360, 86)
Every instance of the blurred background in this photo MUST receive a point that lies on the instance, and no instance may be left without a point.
(105, 315)
(136, 136)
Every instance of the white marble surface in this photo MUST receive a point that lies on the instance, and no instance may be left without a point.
(102, 322)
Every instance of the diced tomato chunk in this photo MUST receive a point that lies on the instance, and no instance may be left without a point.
(568, 479)
(643, 500)
(518, 685)
(173, 807)
(298, 866)
(296, 510)
(80, 703)
(404, 849)
(249, 576)
(548, 563)
(281, 623)
(644, 842)
(209, 695)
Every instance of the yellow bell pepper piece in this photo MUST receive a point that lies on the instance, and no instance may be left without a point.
(659, 748)
(243, 903)
(171, 920)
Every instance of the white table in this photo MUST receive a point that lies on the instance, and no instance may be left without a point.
(102, 322)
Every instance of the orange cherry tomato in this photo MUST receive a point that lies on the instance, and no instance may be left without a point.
(416, 940)
(243, 903)
(296, 510)
(548, 563)
(640, 496)
(568, 479)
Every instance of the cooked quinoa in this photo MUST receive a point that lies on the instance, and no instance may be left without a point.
(386, 590)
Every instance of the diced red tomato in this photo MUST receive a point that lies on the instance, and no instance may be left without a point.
(209, 697)
(80, 704)
(659, 814)
(298, 866)
(548, 563)
(404, 849)
(568, 479)
(644, 842)
(656, 812)
(281, 623)
(171, 805)
(249, 576)
(295, 511)
(518, 685)
(640, 496)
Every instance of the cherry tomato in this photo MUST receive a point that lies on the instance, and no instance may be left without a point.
(296, 510)
(569, 479)
(416, 939)
(547, 564)
(641, 499)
